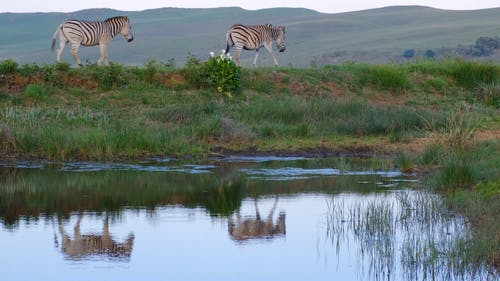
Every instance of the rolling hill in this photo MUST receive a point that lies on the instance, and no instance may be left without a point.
(173, 33)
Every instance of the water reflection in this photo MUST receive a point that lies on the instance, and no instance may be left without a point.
(406, 232)
(292, 211)
(254, 227)
(101, 244)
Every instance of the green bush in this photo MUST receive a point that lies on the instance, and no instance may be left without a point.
(36, 92)
(110, 76)
(223, 74)
(151, 71)
(193, 72)
(436, 84)
(8, 67)
(29, 69)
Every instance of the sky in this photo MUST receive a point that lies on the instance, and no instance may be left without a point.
(325, 6)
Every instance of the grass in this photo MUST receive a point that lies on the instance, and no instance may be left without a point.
(103, 112)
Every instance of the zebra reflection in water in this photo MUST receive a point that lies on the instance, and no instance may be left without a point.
(86, 245)
(243, 229)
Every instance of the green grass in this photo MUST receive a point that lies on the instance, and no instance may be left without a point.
(101, 112)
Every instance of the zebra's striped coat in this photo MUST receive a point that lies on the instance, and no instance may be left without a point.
(90, 33)
(254, 37)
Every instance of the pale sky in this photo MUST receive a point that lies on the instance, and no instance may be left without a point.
(325, 6)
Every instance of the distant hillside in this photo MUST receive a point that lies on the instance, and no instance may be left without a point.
(173, 33)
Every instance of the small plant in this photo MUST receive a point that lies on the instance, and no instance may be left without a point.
(7, 140)
(458, 133)
(110, 76)
(36, 92)
(223, 73)
(489, 94)
(193, 71)
(457, 173)
(8, 67)
(151, 69)
(62, 66)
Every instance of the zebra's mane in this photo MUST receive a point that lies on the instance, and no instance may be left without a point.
(114, 18)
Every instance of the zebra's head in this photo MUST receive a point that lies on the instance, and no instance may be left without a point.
(280, 38)
(126, 30)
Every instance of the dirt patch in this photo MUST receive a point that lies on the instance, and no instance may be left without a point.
(75, 81)
(384, 99)
(15, 83)
(171, 80)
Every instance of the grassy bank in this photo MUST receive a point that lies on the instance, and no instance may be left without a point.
(439, 117)
(108, 112)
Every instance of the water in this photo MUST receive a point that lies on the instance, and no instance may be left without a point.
(239, 218)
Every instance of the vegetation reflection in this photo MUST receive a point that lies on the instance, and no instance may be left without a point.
(412, 229)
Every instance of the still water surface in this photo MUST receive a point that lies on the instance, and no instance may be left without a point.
(238, 218)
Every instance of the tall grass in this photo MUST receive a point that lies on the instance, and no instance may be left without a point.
(472, 74)
(315, 106)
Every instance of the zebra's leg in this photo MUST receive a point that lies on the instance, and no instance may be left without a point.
(256, 57)
(270, 49)
(237, 51)
(104, 57)
(74, 52)
(62, 43)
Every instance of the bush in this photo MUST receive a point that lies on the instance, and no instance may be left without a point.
(193, 72)
(36, 92)
(110, 76)
(8, 67)
(223, 74)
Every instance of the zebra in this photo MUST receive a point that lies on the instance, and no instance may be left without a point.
(90, 33)
(254, 37)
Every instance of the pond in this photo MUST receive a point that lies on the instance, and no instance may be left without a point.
(235, 218)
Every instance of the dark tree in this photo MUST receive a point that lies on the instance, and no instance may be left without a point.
(409, 53)
(430, 54)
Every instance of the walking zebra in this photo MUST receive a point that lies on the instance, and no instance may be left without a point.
(90, 33)
(254, 37)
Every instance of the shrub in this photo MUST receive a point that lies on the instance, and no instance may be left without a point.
(36, 92)
(151, 70)
(109, 76)
(223, 74)
(489, 94)
(437, 84)
(8, 67)
(29, 69)
(193, 72)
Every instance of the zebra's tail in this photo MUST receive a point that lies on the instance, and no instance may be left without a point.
(54, 37)
(229, 41)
